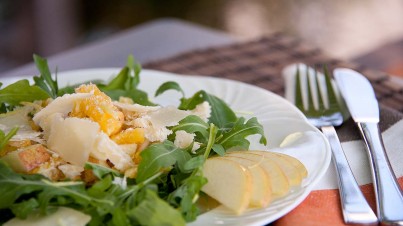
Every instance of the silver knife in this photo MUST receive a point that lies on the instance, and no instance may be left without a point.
(364, 109)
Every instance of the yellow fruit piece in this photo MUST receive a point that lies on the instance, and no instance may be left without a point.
(99, 108)
(129, 136)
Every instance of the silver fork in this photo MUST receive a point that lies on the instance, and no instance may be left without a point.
(354, 206)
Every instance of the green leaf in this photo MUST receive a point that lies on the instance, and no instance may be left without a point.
(100, 171)
(118, 82)
(169, 86)
(45, 81)
(160, 156)
(221, 113)
(236, 137)
(192, 124)
(3, 108)
(127, 79)
(155, 211)
(21, 91)
(5, 138)
(219, 149)
(119, 217)
(99, 189)
(186, 195)
(22, 209)
(194, 163)
(135, 68)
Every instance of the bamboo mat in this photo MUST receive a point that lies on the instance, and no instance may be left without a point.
(260, 62)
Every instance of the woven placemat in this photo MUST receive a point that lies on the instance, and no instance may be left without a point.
(260, 62)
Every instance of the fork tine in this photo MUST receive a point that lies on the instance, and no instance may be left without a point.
(333, 102)
(298, 91)
(311, 106)
(321, 102)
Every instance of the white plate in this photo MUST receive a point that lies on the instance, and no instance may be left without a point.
(278, 117)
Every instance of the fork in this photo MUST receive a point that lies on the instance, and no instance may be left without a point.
(325, 115)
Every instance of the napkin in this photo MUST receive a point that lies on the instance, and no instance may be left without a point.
(322, 206)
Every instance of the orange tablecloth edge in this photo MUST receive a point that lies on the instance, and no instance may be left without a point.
(322, 207)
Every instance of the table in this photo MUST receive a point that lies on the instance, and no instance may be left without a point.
(180, 47)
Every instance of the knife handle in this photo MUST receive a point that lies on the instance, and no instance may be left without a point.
(354, 205)
(389, 197)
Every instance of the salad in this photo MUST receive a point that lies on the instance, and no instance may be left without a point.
(103, 149)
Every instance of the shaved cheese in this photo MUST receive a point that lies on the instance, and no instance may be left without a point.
(155, 123)
(71, 171)
(202, 110)
(27, 134)
(151, 132)
(72, 138)
(46, 123)
(141, 109)
(122, 182)
(63, 104)
(106, 149)
(130, 149)
(167, 116)
(183, 139)
(18, 117)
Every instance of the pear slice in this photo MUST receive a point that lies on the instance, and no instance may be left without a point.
(279, 182)
(261, 189)
(294, 161)
(292, 173)
(228, 182)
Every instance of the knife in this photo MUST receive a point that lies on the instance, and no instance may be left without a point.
(364, 109)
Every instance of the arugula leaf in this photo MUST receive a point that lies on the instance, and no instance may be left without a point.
(194, 163)
(160, 156)
(134, 67)
(5, 138)
(125, 84)
(119, 82)
(191, 124)
(236, 137)
(22, 209)
(169, 86)
(45, 81)
(20, 91)
(221, 113)
(101, 171)
(154, 211)
(186, 195)
(106, 202)
(3, 108)
(219, 149)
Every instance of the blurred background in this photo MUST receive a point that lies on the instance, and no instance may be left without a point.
(369, 32)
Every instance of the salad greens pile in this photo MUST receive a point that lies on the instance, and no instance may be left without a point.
(169, 178)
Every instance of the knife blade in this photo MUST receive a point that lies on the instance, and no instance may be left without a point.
(364, 109)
